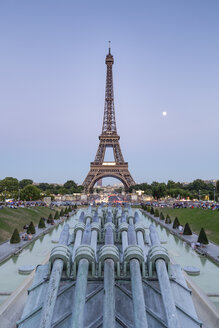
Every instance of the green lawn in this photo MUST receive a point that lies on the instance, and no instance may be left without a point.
(16, 218)
(197, 218)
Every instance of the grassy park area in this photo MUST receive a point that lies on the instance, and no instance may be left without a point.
(197, 218)
(16, 218)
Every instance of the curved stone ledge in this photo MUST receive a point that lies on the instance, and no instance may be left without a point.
(109, 252)
(157, 252)
(133, 252)
(109, 224)
(130, 217)
(95, 226)
(79, 226)
(123, 227)
(84, 252)
(139, 227)
(88, 217)
(61, 252)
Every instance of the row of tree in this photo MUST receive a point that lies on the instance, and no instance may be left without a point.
(15, 238)
(202, 238)
(25, 189)
(196, 189)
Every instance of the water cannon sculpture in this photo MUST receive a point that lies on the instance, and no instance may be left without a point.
(106, 274)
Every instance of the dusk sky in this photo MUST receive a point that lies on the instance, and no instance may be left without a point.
(52, 87)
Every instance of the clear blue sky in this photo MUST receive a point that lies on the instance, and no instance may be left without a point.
(52, 84)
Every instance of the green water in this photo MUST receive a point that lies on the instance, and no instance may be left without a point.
(184, 255)
(33, 254)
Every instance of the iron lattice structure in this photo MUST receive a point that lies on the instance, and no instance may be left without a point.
(108, 139)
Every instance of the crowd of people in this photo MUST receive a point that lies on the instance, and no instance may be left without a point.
(214, 206)
(21, 204)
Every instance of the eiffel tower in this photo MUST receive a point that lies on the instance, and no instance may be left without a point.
(108, 139)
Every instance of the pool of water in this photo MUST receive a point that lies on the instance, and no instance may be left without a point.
(33, 254)
(184, 255)
(179, 251)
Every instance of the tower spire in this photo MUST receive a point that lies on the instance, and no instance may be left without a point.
(109, 121)
(109, 47)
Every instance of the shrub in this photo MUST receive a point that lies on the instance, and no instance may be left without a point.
(152, 210)
(187, 230)
(77, 206)
(202, 238)
(66, 210)
(31, 228)
(41, 224)
(161, 216)
(50, 218)
(15, 238)
(176, 223)
(62, 212)
(56, 217)
(148, 209)
(168, 220)
(156, 213)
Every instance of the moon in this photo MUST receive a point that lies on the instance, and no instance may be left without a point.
(164, 113)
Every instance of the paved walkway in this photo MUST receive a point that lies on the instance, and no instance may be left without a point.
(211, 250)
(7, 249)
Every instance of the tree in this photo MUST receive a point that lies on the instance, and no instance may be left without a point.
(211, 195)
(25, 182)
(41, 224)
(187, 230)
(61, 212)
(171, 184)
(56, 217)
(202, 238)
(63, 191)
(168, 219)
(30, 192)
(176, 223)
(161, 216)
(118, 190)
(9, 184)
(158, 190)
(66, 210)
(156, 213)
(217, 187)
(70, 186)
(81, 188)
(15, 238)
(148, 209)
(198, 185)
(31, 228)
(44, 186)
(50, 218)
(152, 210)
(75, 207)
